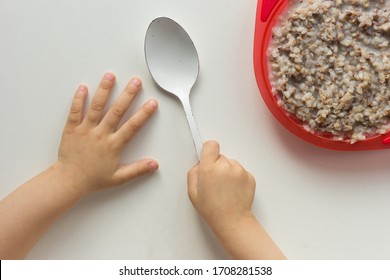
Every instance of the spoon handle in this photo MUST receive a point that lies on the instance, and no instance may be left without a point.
(193, 127)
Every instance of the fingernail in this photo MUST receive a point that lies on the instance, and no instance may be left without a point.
(153, 167)
(82, 89)
(153, 103)
(109, 77)
(135, 82)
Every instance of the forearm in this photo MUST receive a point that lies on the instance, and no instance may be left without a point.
(248, 240)
(28, 211)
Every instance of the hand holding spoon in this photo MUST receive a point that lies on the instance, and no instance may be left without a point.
(173, 62)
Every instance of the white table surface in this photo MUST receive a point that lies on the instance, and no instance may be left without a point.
(315, 203)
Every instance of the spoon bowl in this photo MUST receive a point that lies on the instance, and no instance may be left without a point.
(173, 62)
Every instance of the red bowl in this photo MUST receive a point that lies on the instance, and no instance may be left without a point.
(268, 14)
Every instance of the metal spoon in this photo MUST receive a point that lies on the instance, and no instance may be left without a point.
(173, 62)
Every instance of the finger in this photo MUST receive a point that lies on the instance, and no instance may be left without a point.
(140, 168)
(117, 111)
(99, 100)
(76, 110)
(192, 183)
(210, 153)
(131, 126)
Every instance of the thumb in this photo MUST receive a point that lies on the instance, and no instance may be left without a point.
(127, 172)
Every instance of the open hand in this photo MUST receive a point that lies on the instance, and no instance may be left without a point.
(91, 144)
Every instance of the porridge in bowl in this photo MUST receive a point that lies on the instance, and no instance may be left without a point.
(330, 67)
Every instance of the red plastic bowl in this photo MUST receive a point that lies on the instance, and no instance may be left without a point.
(268, 14)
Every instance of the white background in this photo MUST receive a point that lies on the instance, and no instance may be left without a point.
(315, 203)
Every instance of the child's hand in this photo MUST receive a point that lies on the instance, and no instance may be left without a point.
(221, 190)
(91, 145)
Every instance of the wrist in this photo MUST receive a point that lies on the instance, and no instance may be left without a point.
(68, 183)
(233, 224)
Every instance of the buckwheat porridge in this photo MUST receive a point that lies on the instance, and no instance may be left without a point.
(330, 67)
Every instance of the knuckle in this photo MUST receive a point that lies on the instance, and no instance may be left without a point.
(74, 115)
(221, 168)
(140, 170)
(105, 85)
(96, 107)
(224, 169)
(116, 143)
(118, 110)
(75, 110)
(238, 168)
(73, 118)
(129, 90)
(98, 134)
(239, 171)
(133, 125)
(206, 168)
